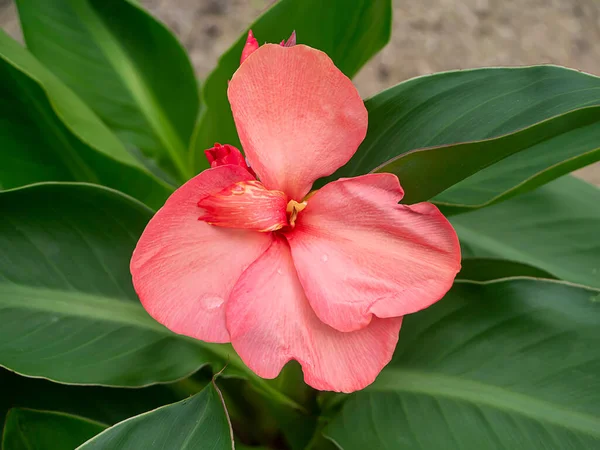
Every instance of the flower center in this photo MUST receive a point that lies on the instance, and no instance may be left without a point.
(293, 209)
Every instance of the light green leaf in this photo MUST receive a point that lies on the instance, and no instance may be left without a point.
(349, 31)
(48, 134)
(508, 364)
(126, 66)
(467, 112)
(199, 422)
(554, 228)
(28, 429)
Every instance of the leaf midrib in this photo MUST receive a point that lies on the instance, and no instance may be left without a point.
(94, 307)
(395, 380)
(127, 71)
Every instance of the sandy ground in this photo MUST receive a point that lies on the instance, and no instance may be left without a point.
(428, 36)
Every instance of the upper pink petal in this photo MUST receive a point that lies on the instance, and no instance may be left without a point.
(270, 322)
(298, 117)
(184, 269)
(359, 253)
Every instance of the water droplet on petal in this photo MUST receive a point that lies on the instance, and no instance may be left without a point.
(324, 258)
(280, 272)
(211, 303)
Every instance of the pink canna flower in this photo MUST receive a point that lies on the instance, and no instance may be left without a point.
(281, 272)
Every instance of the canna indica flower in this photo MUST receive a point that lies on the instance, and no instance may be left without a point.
(282, 273)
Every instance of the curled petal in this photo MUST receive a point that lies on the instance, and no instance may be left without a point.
(184, 269)
(245, 205)
(358, 253)
(271, 322)
(221, 155)
(249, 47)
(298, 117)
(291, 40)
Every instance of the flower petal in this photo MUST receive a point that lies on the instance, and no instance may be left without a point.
(359, 253)
(221, 155)
(298, 117)
(184, 269)
(250, 46)
(245, 205)
(271, 322)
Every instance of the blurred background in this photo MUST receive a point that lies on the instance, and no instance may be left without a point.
(428, 36)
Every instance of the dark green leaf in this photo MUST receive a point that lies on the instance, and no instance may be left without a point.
(48, 134)
(512, 364)
(126, 66)
(349, 31)
(199, 422)
(479, 105)
(106, 405)
(528, 159)
(28, 429)
(487, 269)
(554, 228)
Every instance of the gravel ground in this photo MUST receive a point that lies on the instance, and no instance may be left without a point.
(428, 36)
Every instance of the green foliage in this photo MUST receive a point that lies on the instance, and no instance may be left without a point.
(554, 228)
(199, 422)
(127, 67)
(28, 429)
(49, 134)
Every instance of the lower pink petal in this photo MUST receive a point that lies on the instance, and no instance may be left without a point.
(270, 322)
(184, 269)
(359, 253)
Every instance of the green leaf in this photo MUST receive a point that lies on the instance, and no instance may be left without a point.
(554, 228)
(200, 421)
(106, 405)
(28, 429)
(508, 364)
(48, 133)
(480, 105)
(528, 159)
(126, 66)
(487, 269)
(69, 311)
(349, 31)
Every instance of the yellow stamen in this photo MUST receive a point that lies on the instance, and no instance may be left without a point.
(293, 208)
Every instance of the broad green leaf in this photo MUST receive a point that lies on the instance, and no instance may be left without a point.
(69, 311)
(28, 429)
(487, 269)
(199, 422)
(528, 158)
(349, 31)
(48, 134)
(126, 66)
(106, 405)
(554, 228)
(479, 105)
(510, 364)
